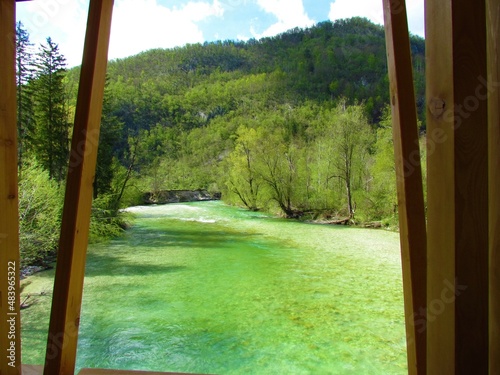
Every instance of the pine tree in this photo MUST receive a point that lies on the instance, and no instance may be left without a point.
(51, 137)
(24, 76)
(108, 136)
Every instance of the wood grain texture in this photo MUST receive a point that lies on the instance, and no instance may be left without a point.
(68, 284)
(471, 187)
(9, 228)
(493, 27)
(411, 207)
(440, 187)
(458, 220)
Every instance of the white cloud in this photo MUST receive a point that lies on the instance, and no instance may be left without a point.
(63, 20)
(290, 14)
(242, 37)
(373, 11)
(138, 27)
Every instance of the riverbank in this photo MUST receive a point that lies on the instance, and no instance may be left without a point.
(179, 196)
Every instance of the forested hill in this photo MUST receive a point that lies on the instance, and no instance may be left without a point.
(346, 58)
(261, 121)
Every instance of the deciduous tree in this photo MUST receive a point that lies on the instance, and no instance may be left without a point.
(243, 178)
(351, 138)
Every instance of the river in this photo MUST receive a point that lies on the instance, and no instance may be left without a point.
(208, 288)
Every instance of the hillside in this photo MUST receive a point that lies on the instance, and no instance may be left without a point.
(346, 58)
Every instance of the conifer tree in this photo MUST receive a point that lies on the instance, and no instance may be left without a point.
(108, 137)
(24, 76)
(51, 137)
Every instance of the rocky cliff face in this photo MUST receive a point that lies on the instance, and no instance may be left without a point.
(176, 196)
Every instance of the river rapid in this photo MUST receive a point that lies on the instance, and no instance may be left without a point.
(208, 288)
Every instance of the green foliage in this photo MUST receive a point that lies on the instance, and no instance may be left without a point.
(126, 188)
(353, 138)
(106, 221)
(24, 76)
(40, 205)
(243, 180)
(110, 131)
(51, 136)
(278, 168)
(40, 211)
(382, 201)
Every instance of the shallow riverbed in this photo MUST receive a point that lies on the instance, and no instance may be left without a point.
(207, 288)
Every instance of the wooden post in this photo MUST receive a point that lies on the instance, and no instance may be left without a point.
(409, 181)
(68, 284)
(457, 155)
(493, 19)
(440, 183)
(10, 318)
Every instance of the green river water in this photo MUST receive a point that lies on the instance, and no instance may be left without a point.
(208, 288)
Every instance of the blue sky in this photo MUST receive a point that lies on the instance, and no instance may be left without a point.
(140, 25)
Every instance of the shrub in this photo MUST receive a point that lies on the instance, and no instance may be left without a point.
(40, 207)
(106, 220)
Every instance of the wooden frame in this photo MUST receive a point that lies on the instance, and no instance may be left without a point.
(10, 317)
(462, 333)
(70, 270)
(409, 181)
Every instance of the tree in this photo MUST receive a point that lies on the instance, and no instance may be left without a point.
(278, 168)
(40, 206)
(108, 138)
(243, 179)
(24, 75)
(383, 197)
(351, 138)
(51, 136)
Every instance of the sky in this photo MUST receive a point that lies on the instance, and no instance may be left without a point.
(139, 25)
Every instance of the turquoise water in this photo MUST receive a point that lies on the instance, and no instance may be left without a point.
(207, 288)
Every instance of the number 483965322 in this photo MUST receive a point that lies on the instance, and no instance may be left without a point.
(11, 280)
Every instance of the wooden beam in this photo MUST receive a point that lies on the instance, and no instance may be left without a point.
(493, 27)
(68, 283)
(32, 369)
(440, 183)
(10, 318)
(457, 130)
(409, 181)
(471, 186)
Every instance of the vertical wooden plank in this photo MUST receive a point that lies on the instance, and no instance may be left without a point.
(10, 327)
(409, 181)
(68, 284)
(457, 313)
(440, 187)
(493, 19)
(471, 186)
